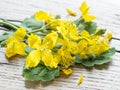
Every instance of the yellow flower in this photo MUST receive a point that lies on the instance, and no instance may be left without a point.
(91, 39)
(42, 15)
(104, 46)
(15, 45)
(108, 35)
(33, 58)
(82, 45)
(68, 29)
(46, 56)
(54, 23)
(97, 47)
(91, 44)
(14, 48)
(50, 40)
(49, 59)
(80, 80)
(34, 41)
(64, 55)
(67, 71)
(84, 8)
(42, 51)
(70, 12)
(73, 47)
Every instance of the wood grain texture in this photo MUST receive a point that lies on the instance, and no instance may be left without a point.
(105, 77)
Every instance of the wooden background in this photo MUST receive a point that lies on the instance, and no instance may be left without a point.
(105, 77)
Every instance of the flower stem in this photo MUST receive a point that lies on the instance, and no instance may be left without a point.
(41, 29)
(11, 23)
(33, 31)
(8, 24)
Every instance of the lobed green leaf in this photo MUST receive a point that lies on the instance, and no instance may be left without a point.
(90, 27)
(4, 37)
(98, 60)
(32, 24)
(40, 72)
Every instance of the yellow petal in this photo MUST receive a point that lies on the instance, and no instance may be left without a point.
(54, 23)
(33, 58)
(84, 7)
(73, 46)
(85, 12)
(108, 35)
(88, 17)
(42, 15)
(14, 48)
(85, 34)
(104, 45)
(10, 51)
(68, 29)
(54, 63)
(49, 59)
(20, 34)
(83, 54)
(19, 47)
(9, 40)
(82, 45)
(67, 71)
(34, 41)
(65, 57)
(80, 80)
(50, 40)
(70, 12)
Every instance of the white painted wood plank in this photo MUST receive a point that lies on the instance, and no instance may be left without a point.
(105, 77)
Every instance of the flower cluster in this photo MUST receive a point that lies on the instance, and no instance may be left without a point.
(51, 45)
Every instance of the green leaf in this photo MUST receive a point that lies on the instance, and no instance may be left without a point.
(109, 52)
(4, 37)
(32, 24)
(57, 16)
(98, 60)
(88, 63)
(3, 43)
(50, 75)
(100, 32)
(77, 22)
(102, 61)
(1, 38)
(78, 59)
(40, 72)
(90, 27)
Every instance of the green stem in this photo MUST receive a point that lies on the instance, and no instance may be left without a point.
(41, 29)
(33, 31)
(9, 25)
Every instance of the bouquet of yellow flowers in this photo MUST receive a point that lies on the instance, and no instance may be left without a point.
(52, 45)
